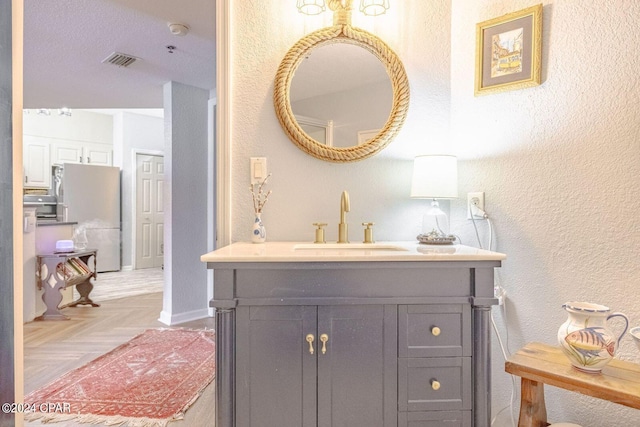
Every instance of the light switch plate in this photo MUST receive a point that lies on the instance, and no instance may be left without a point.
(258, 169)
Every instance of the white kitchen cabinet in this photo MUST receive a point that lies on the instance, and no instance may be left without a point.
(82, 152)
(66, 152)
(98, 154)
(36, 162)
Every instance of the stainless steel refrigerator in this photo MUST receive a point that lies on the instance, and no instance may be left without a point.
(90, 195)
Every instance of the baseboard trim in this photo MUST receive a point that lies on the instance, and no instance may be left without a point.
(126, 268)
(175, 319)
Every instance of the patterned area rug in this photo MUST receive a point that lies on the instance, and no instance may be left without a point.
(145, 382)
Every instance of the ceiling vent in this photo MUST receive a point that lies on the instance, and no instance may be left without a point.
(120, 59)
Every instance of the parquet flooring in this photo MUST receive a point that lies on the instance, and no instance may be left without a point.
(119, 284)
(51, 348)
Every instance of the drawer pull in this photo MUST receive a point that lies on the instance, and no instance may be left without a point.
(324, 338)
(435, 331)
(435, 384)
(310, 339)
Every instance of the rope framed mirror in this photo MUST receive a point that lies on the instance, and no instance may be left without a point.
(341, 32)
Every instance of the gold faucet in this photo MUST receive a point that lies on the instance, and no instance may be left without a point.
(345, 206)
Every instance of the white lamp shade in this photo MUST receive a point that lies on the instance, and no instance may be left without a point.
(435, 177)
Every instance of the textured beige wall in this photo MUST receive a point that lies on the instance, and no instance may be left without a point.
(559, 164)
(307, 190)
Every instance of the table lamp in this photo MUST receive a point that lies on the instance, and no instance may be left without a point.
(435, 177)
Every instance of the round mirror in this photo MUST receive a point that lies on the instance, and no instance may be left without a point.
(341, 94)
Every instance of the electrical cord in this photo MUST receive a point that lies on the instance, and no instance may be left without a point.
(475, 211)
(475, 227)
(505, 355)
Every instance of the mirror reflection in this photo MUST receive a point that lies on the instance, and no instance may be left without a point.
(341, 95)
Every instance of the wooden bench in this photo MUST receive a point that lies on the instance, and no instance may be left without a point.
(538, 364)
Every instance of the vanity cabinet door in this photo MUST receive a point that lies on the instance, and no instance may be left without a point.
(350, 379)
(357, 383)
(275, 371)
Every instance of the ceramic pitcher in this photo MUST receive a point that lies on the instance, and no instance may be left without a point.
(585, 338)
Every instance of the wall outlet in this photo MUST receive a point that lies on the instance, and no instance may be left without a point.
(475, 199)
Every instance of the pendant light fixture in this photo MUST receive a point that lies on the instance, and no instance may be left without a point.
(311, 7)
(374, 7)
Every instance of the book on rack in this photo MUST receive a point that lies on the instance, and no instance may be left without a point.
(71, 268)
(79, 265)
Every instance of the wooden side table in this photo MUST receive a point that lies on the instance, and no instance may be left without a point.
(538, 364)
(53, 273)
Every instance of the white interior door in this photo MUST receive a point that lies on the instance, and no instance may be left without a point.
(149, 211)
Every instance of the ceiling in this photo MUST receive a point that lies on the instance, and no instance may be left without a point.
(66, 41)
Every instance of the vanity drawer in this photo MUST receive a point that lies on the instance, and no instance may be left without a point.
(435, 419)
(432, 384)
(434, 330)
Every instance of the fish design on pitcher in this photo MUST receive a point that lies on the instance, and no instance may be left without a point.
(589, 342)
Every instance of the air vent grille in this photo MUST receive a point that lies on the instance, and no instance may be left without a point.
(120, 59)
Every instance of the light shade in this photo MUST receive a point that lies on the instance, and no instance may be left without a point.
(435, 177)
(374, 7)
(311, 7)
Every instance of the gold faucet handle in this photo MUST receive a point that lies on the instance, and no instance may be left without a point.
(368, 232)
(320, 232)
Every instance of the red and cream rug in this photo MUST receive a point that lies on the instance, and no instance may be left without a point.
(148, 381)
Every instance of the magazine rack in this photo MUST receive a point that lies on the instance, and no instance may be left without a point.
(57, 271)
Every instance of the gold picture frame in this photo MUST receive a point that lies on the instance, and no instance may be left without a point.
(509, 51)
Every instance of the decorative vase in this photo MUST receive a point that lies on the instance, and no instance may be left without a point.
(258, 232)
(585, 338)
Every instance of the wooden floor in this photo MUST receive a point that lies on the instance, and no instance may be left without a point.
(51, 348)
(119, 284)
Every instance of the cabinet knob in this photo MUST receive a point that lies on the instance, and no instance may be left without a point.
(324, 338)
(435, 385)
(310, 339)
(435, 331)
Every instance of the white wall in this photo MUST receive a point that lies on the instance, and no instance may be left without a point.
(81, 126)
(305, 189)
(133, 133)
(559, 164)
(187, 151)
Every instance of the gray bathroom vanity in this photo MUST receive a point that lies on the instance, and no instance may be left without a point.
(386, 335)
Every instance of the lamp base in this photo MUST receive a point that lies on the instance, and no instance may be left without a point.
(435, 239)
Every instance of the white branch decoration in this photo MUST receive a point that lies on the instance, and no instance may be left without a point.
(259, 198)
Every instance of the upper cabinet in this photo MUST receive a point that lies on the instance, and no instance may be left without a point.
(37, 162)
(83, 137)
(40, 153)
(81, 152)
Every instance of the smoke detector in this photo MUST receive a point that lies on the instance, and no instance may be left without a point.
(178, 29)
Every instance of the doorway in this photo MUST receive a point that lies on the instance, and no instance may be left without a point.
(149, 212)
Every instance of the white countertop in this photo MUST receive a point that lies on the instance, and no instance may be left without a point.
(350, 252)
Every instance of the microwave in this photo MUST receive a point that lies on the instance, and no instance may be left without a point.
(46, 206)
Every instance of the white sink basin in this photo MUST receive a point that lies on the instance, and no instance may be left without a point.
(348, 246)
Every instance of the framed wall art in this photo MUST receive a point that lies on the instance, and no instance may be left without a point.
(509, 51)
